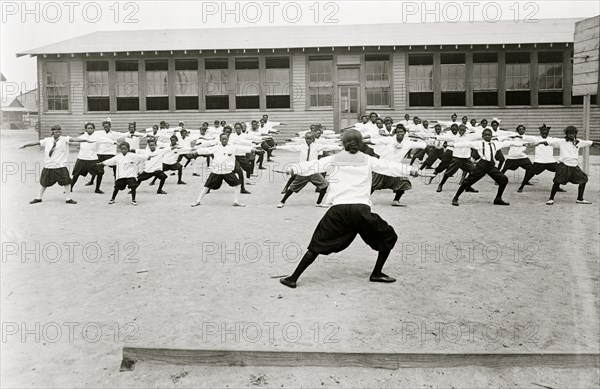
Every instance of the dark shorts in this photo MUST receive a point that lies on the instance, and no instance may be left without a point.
(514, 164)
(130, 182)
(340, 225)
(143, 176)
(175, 166)
(214, 180)
(83, 167)
(464, 164)
(380, 182)
(104, 157)
(50, 177)
(573, 174)
(316, 179)
(538, 168)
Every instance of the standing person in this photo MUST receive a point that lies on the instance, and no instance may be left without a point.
(107, 150)
(127, 165)
(222, 168)
(516, 157)
(395, 149)
(153, 166)
(350, 214)
(486, 165)
(567, 170)
(170, 160)
(543, 158)
(446, 157)
(434, 151)
(87, 159)
(56, 154)
(309, 151)
(461, 159)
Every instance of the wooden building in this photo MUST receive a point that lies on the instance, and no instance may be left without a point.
(518, 72)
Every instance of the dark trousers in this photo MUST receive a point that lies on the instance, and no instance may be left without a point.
(482, 168)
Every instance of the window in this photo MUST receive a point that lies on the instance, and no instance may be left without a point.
(277, 82)
(377, 69)
(452, 86)
(248, 88)
(127, 86)
(420, 80)
(485, 79)
(186, 84)
(518, 78)
(157, 85)
(578, 100)
(550, 78)
(320, 82)
(57, 86)
(216, 83)
(98, 97)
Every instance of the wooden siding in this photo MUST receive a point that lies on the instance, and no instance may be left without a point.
(298, 117)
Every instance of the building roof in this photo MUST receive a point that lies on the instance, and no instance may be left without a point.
(277, 37)
(28, 100)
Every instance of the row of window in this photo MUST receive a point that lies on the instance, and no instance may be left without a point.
(220, 81)
(484, 79)
(237, 84)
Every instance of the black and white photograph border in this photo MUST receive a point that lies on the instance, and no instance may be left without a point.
(286, 194)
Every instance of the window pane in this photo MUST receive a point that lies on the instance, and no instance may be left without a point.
(420, 78)
(453, 77)
(186, 82)
(216, 82)
(57, 92)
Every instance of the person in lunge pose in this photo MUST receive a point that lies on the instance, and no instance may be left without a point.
(351, 211)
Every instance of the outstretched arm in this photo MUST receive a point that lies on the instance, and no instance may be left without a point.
(30, 145)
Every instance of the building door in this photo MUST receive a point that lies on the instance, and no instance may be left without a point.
(349, 105)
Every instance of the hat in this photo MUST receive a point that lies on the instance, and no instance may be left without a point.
(543, 127)
(495, 120)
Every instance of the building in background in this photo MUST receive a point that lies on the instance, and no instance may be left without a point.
(519, 72)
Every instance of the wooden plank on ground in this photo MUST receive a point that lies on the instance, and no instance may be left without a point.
(131, 355)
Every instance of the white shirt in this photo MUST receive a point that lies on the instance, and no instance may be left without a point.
(487, 150)
(461, 152)
(569, 152)
(128, 165)
(315, 150)
(59, 155)
(106, 148)
(155, 162)
(390, 150)
(543, 153)
(134, 141)
(224, 156)
(89, 151)
(351, 175)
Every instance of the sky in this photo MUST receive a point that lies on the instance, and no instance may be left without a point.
(33, 24)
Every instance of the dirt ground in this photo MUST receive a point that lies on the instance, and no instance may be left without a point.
(80, 282)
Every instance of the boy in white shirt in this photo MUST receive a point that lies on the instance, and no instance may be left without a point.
(222, 168)
(309, 151)
(153, 166)
(127, 166)
(350, 214)
(487, 149)
(516, 157)
(395, 149)
(567, 169)
(56, 154)
(543, 159)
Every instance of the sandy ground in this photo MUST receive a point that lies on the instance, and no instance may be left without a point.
(79, 282)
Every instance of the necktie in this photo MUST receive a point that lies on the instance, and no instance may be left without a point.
(53, 147)
(491, 152)
(308, 153)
